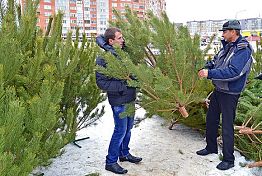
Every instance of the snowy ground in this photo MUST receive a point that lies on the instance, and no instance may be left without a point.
(165, 152)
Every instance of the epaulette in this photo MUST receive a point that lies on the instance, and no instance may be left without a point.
(242, 45)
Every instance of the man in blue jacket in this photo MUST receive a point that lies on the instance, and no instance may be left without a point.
(119, 95)
(228, 71)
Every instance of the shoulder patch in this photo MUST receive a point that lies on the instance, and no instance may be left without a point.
(242, 45)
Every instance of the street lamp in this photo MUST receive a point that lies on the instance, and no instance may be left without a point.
(239, 12)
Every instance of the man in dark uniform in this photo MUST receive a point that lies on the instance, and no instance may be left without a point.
(228, 71)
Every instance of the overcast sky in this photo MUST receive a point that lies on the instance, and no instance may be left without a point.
(181, 11)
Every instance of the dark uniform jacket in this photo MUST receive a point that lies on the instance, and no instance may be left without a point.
(229, 69)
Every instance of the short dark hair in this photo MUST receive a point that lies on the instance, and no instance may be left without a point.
(238, 32)
(110, 33)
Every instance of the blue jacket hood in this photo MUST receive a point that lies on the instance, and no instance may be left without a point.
(101, 42)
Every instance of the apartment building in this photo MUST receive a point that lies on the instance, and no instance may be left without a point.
(210, 27)
(156, 6)
(80, 14)
(102, 15)
(137, 5)
(45, 9)
(140, 6)
(91, 16)
(251, 29)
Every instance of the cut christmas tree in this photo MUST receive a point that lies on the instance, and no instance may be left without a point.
(162, 60)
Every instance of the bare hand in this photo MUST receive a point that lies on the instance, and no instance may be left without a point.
(203, 73)
(207, 101)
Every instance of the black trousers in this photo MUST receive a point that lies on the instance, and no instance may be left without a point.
(225, 104)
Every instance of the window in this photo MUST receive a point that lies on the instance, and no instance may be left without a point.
(47, 7)
(87, 21)
(135, 6)
(102, 22)
(61, 8)
(72, 15)
(47, 14)
(73, 21)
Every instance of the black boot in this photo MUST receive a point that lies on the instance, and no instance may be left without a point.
(204, 152)
(224, 165)
(130, 158)
(116, 168)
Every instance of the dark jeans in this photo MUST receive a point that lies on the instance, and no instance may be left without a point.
(118, 146)
(226, 104)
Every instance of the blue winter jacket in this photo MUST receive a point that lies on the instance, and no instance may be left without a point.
(230, 67)
(117, 90)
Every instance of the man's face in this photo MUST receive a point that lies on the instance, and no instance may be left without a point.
(118, 40)
(228, 35)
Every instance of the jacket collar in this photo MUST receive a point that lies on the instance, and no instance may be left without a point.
(226, 44)
(100, 40)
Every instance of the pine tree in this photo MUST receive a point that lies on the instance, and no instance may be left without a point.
(257, 67)
(44, 84)
(249, 116)
(162, 60)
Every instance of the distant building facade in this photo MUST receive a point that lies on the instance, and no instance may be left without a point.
(210, 27)
(140, 6)
(91, 16)
(251, 29)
